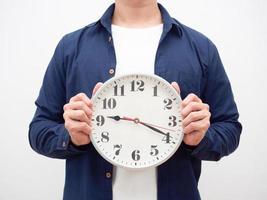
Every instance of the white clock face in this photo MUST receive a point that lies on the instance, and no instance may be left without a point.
(136, 121)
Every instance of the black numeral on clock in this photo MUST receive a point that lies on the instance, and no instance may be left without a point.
(117, 148)
(100, 120)
(166, 138)
(154, 151)
(105, 137)
(109, 103)
(136, 155)
(168, 104)
(173, 121)
(118, 91)
(137, 85)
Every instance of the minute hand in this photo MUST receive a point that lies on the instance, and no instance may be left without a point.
(153, 128)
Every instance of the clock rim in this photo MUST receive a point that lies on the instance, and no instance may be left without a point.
(93, 99)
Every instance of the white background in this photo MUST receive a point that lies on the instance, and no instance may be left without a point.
(29, 32)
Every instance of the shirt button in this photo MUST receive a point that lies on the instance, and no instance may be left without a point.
(64, 144)
(111, 71)
(108, 175)
(109, 38)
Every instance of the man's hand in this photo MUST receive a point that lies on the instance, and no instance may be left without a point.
(77, 116)
(196, 118)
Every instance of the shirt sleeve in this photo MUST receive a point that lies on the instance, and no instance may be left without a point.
(47, 133)
(222, 138)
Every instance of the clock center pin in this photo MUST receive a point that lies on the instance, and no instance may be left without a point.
(136, 120)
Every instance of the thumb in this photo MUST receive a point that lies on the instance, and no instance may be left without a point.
(97, 86)
(176, 87)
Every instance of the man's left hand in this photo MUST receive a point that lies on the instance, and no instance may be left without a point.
(196, 118)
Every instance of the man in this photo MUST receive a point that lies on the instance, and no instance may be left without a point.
(146, 40)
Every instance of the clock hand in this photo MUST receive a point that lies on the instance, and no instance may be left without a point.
(118, 118)
(156, 126)
(154, 129)
(137, 121)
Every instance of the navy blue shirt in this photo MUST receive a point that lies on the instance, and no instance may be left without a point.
(87, 56)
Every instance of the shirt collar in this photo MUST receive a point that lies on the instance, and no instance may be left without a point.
(168, 21)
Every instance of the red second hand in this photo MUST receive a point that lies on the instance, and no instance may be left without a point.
(136, 120)
(128, 118)
(167, 129)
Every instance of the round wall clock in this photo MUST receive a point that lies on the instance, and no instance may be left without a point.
(136, 121)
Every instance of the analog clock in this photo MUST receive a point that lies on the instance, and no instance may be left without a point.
(136, 121)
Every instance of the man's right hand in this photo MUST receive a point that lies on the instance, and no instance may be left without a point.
(77, 116)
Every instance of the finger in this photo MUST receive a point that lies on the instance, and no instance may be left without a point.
(195, 116)
(77, 115)
(191, 107)
(79, 105)
(97, 86)
(176, 87)
(82, 97)
(200, 126)
(75, 127)
(190, 98)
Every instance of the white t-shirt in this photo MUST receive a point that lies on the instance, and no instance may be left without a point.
(135, 53)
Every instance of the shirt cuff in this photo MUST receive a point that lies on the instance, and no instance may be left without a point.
(202, 146)
(198, 148)
(64, 142)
